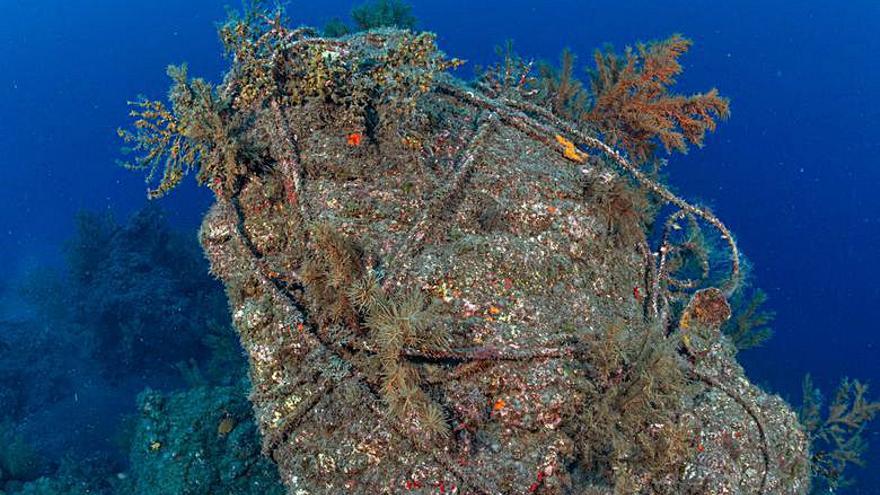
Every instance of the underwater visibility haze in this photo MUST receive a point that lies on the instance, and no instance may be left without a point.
(439, 247)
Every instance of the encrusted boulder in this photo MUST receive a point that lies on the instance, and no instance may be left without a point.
(444, 292)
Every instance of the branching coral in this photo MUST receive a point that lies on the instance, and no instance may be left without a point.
(748, 327)
(194, 134)
(384, 13)
(628, 100)
(838, 438)
(561, 90)
(335, 28)
(631, 425)
(335, 263)
(633, 108)
(686, 252)
(216, 131)
(397, 324)
(625, 210)
(510, 76)
(373, 15)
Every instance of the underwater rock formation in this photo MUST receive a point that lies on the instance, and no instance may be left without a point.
(198, 441)
(435, 295)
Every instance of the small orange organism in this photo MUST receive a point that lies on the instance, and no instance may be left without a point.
(499, 405)
(412, 143)
(570, 151)
(355, 138)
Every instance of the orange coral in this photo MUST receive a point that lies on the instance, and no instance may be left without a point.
(633, 108)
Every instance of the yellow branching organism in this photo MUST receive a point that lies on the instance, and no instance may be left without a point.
(192, 135)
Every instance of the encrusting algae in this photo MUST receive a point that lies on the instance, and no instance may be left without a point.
(439, 289)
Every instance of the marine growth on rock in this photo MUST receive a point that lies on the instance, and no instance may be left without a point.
(447, 287)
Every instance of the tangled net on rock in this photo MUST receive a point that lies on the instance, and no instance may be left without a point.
(429, 300)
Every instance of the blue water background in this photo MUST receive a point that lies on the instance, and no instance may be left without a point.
(794, 172)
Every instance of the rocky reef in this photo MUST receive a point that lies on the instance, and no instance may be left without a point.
(446, 287)
(198, 441)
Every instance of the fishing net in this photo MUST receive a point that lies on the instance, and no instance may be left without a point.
(445, 290)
